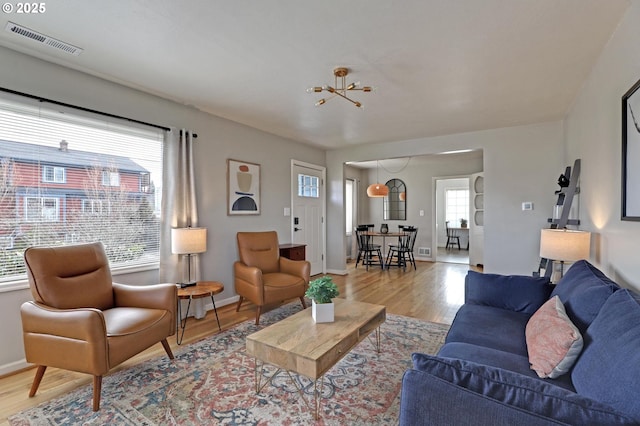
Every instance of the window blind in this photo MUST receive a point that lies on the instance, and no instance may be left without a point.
(69, 177)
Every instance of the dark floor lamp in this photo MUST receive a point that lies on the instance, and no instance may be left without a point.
(188, 241)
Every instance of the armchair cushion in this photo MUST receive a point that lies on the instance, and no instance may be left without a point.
(59, 276)
(259, 249)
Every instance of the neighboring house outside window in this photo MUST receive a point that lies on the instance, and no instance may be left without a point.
(92, 207)
(41, 209)
(110, 178)
(53, 174)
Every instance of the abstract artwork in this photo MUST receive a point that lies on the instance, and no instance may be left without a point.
(243, 188)
(631, 154)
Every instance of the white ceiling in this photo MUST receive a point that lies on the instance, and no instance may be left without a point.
(438, 66)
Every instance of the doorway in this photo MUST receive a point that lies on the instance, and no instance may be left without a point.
(451, 201)
(308, 212)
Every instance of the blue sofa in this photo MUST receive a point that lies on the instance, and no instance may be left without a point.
(482, 375)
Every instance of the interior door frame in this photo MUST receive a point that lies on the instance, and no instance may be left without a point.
(434, 224)
(323, 195)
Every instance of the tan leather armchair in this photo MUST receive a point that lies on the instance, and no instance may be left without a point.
(262, 276)
(81, 321)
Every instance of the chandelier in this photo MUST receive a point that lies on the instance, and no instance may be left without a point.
(341, 88)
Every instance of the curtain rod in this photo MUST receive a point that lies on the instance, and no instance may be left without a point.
(40, 99)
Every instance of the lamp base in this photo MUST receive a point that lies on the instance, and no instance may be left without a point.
(189, 284)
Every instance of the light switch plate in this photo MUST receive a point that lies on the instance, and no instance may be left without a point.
(527, 205)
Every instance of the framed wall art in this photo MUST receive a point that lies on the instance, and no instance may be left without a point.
(631, 154)
(243, 188)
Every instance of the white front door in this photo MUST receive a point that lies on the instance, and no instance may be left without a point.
(307, 213)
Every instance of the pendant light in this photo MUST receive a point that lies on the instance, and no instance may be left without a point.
(377, 190)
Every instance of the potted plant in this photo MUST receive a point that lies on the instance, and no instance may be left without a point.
(463, 223)
(321, 291)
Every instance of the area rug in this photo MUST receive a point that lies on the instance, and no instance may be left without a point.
(212, 382)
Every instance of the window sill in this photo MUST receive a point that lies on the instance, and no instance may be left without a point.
(22, 284)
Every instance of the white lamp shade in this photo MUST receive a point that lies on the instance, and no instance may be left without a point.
(188, 240)
(564, 244)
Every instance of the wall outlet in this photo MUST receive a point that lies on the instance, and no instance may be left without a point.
(527, 205)
(421, 212)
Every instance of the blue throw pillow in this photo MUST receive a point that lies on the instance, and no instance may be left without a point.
(518, 293)
(526, 393)
(583, 290)
(609, 365)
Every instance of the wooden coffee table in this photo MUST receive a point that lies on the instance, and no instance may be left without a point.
(297, 344)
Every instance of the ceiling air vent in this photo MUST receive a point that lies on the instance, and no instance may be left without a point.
(41, 38)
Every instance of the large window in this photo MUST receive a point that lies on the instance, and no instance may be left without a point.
(457, 206)
(67, 178)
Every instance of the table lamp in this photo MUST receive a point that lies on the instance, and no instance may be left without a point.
(188, 241)
(564, 245)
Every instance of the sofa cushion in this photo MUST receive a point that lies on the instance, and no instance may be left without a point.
(607, 370)
(553, 342)
(517, 293)
(529, 394)
(490, 327)
(583, 290)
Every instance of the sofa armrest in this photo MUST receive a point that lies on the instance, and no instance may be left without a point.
(518, 293)
(442, 391)
(299, 268)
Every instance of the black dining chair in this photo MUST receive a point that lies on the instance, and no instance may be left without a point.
(368, 253)
(403, 251)
(452, 236)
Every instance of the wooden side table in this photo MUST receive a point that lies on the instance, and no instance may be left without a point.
(293, 251)
(198, 291)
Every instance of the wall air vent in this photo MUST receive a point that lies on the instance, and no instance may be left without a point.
(424, 251)
(42, 39)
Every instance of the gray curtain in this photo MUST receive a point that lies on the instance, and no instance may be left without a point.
(179, 206)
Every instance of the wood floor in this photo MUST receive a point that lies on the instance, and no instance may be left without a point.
(433, 292)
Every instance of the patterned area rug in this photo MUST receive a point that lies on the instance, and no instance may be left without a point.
(212, 382)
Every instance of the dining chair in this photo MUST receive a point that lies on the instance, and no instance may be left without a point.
(403, 251)
(368, 252)
(452, 236)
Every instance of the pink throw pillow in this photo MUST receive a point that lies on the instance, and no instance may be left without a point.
(553, 342)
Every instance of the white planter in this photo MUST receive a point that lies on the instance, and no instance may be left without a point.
(322, 312)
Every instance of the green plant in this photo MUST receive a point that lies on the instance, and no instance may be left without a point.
(463, 222)
(322, 290)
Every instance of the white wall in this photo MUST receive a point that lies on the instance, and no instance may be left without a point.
(593, 133)
(218, 140)
(520, 164)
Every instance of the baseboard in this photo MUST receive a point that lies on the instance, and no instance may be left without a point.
(14, 367)
(337, 271)
(424, 258)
